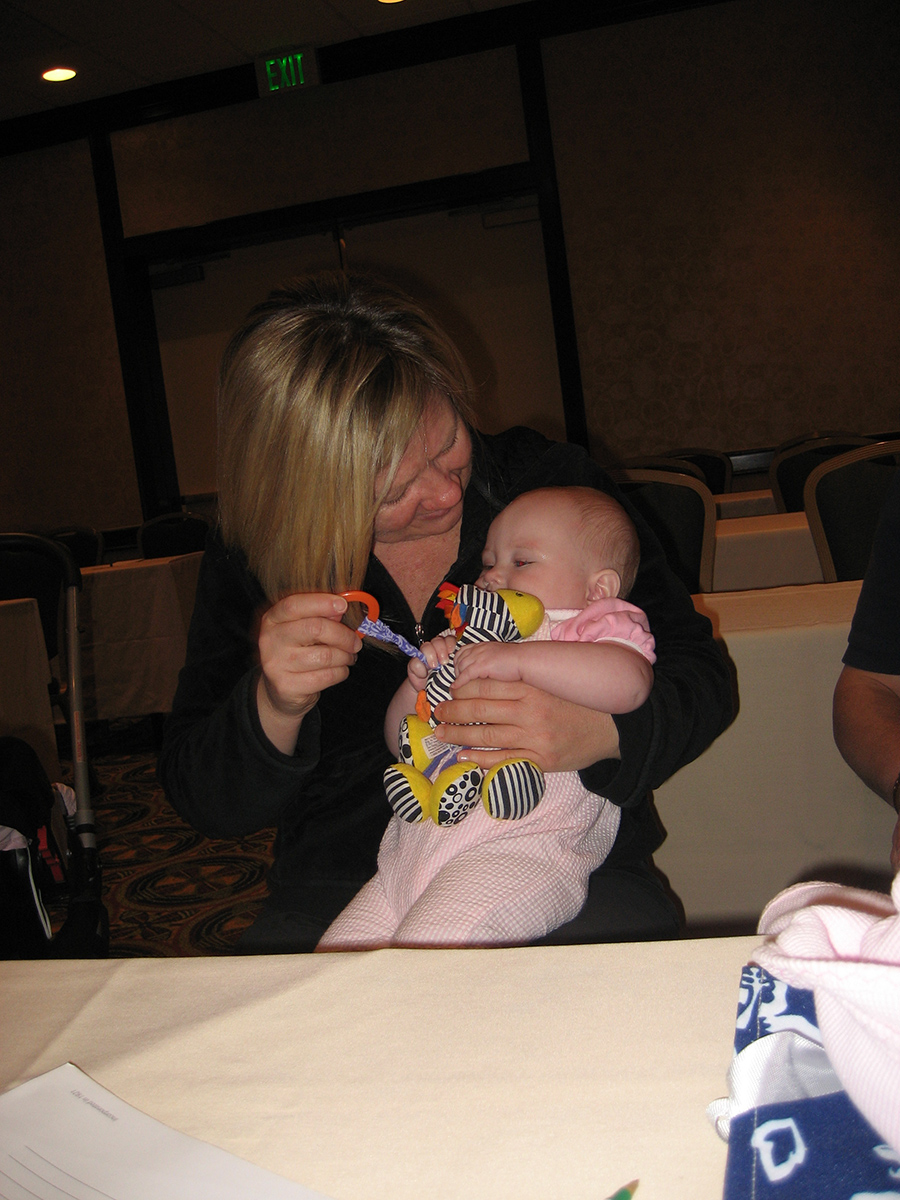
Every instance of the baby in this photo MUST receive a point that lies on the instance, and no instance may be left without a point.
(487, 881)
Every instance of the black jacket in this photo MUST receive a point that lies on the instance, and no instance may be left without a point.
(327, 800)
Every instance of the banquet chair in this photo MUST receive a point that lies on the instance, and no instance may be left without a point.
(682, 513)
(662, 462)
(793, 461)
(816, 435)
(716, 467)
(83, 542)
(843, 498)
(39, 567)
(172, 533)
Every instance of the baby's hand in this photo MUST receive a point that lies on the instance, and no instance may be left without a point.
(488, 660)
(436, 652)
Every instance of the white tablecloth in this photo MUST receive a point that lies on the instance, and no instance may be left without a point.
(772, 801)
(773, 550)
(135, 615)
(756, 503)
(398, 1075)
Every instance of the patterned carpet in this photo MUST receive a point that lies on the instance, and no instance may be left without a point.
(168, 890)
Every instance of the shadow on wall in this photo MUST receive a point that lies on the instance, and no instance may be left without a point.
(850, 875)
(846, 874)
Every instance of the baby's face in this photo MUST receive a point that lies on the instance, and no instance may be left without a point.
(532, 547)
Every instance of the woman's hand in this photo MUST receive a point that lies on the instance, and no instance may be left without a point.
(303, 649)
(523, 722)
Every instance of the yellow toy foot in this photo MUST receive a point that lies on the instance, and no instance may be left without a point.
(456, 791)
(418, 745)
(408, 791)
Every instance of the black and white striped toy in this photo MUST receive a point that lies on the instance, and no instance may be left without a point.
(430, 781)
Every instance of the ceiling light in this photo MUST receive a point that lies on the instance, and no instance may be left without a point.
(389, 1)
(58, 74)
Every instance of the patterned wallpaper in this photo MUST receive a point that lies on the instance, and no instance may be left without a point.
(422, 122)
(729, 180)
(730, 184)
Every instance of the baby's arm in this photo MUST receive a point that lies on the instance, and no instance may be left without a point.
(607, 676)
(404, 700)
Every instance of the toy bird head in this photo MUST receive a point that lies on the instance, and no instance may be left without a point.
(505, 615)
(526, 610)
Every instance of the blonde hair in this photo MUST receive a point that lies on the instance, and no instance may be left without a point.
(320, 392)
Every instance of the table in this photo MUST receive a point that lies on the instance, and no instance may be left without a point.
(25, 709)
(135, 616)
(756, 502)
(772, 801)
(402, 1074)
(773, 550)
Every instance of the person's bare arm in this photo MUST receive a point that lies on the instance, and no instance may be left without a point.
(866, 716)
(607, 676)
(403, 703)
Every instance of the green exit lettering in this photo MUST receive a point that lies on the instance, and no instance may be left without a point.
(284, 69)
(286, 72)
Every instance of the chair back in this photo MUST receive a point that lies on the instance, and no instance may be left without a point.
(662, 462)
(792, 464)
(843, 498)
(31, 565)
(682, 513)
(716, 467)
(39, 567)
(83, 542)
(172, 533)
(816, 435)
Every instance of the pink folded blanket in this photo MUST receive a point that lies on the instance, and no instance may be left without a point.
(844, 945)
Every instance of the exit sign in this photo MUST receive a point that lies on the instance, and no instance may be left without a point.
(286, 70)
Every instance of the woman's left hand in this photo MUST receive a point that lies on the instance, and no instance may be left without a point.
(523, 722)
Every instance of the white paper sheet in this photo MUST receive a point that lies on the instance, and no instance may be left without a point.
(63, 1136)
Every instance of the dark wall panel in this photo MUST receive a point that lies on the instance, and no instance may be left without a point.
(426, 122)
(65, 448)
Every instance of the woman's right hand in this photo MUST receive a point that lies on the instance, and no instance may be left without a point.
(303, 648)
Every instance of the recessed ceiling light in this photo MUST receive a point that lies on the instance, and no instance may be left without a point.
(58, 74)
(389, 1)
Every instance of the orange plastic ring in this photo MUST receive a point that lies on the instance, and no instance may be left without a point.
(372, 607)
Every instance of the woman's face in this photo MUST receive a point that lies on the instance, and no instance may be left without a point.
(426, 496)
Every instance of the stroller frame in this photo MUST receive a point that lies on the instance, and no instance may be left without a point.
(87, 917)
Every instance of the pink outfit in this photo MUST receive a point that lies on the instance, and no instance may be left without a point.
(844, 944)
(490, 882)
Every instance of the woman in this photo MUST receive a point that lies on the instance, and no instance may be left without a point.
(348, 460)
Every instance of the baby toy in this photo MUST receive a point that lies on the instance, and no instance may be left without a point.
(372, 626)
(430, 781)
